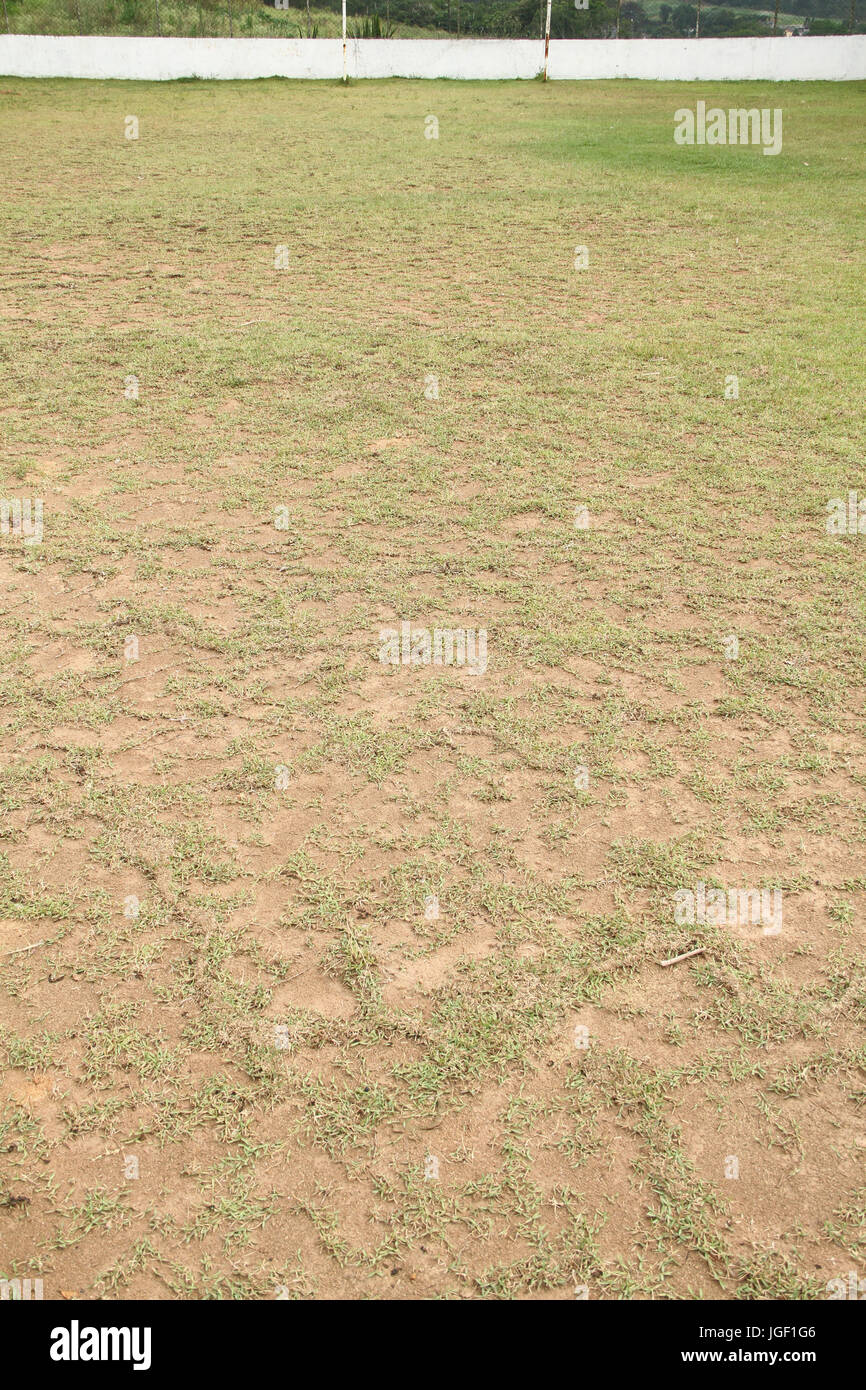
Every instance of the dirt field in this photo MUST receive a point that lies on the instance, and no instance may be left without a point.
(330, 977)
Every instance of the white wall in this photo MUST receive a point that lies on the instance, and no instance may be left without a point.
(781, 59)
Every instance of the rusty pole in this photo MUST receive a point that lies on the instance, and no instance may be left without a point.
(547, 38)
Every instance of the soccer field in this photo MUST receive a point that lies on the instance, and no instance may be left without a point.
(428, 625)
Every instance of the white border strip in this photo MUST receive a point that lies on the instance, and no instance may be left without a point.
(832, 59)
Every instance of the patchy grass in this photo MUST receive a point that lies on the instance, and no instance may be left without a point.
(326, 978)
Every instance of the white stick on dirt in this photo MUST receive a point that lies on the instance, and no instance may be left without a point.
(686, 955)
(22, 950)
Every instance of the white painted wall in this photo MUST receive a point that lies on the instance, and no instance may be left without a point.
(151, 59)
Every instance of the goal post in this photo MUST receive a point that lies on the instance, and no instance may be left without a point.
(547, 38)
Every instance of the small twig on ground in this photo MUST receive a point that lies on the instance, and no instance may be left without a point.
(22, 950)
(686, 955)
(289, 979)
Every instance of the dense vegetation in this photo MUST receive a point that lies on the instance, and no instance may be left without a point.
(426, 18)
(525, 18)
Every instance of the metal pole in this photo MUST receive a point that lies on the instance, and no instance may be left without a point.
(547, 37)
(345, 75)
(698, 24)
